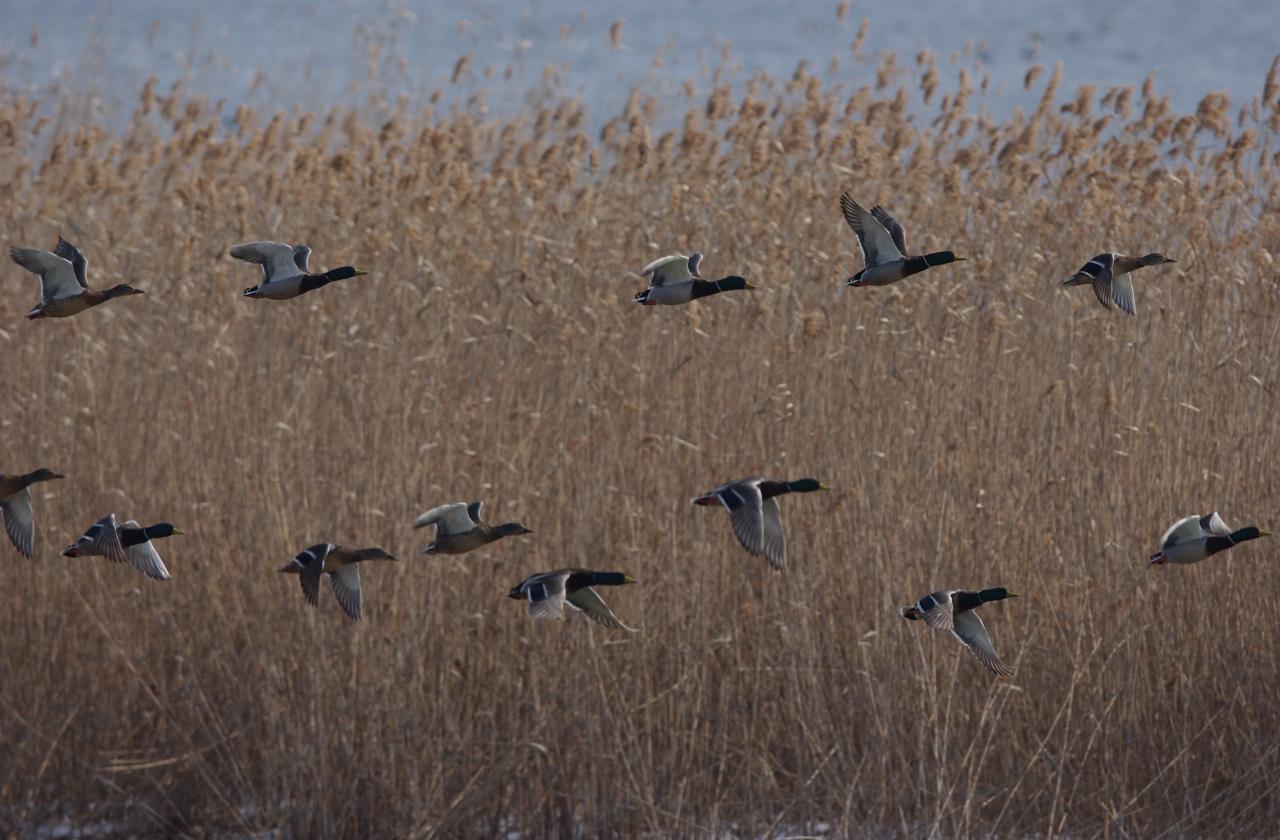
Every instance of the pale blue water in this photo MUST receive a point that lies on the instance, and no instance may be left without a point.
(297, 53)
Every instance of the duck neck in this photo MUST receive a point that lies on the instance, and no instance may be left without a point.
(704, 288)
(915, 265)
(1213, 545)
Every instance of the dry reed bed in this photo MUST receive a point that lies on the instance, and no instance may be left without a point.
(980, 428)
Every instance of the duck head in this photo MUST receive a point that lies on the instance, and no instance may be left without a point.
(44, 474)
(344, 272)
(122, 290)
(1156, 259)
(512, 529)
(161, 530)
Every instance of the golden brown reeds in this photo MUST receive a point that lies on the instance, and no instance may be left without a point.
(980, 426)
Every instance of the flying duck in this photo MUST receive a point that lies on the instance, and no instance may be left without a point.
(1193, 538)
(954, 611)
(129, 543)
(548, 592)
(459, 528)
(15, 507)
(284, 270)
(1109, 276)
(753, 511)
(64, 289)
(339, 563)
(675, 280)
(884, 247)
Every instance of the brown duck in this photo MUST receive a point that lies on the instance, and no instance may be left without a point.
(15, 505)
(459, 529)
(64, 289)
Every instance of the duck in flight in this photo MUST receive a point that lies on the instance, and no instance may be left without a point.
(954, 612)
(548, 592)
(459, 528)
(129, 543)
(339, 563)
(15, 507)
(753, 511)
(1194, 538)
(884, 247)
(64, 286)
(284, 270)
(675, 279)
(1109, 276)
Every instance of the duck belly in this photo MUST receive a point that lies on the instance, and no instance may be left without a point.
(61, 308)
(671, 295)
(883, 275)
(1187, 552)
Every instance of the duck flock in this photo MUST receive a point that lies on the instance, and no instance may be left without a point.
(752, 503)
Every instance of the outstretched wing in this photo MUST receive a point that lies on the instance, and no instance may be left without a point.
(346, 586)
(672, 269)
(589, 601)
(57, 277)
(970, 630)
(452, 518)
(775, 541)
(78, 263)
(19, 522)
(878, 246)
(301, 254)
(312, 560)
(276, 258)
(892, 225)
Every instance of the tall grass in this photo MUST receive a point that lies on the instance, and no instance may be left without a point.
(980, 428)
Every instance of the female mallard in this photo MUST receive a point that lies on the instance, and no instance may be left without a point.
(339, 563)
(548, 592)
(64, 290)
(884, 247)
(130, 543)
(284, 270)
(954, 611)
(1193, 538)
(675, 280)
(459, 529)
(753, 512)
(1109, 276)
(15, 507)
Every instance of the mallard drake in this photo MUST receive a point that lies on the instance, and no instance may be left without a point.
(954, 611)
(129, 543)
(674, 280)
(753, 512)
(459, 528)
(339, 563)
(15, 506)
(548, 592)
(64, 289)
(884, 247)
(284, 270)
(1109, 276)
(1193, 538)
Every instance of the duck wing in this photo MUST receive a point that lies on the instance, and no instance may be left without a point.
(57, 276)
(346, 586)
(19, 522)
(746, 512)
(936, 610)
(145, 558)
(546, 594)
(671, 270)
(301, 255)
(78, 263)
(775, 541)
(1121, 291)
(878, 246)
(588, 600)
(102, 539)
(1186, 529)
(312, 560)
(970, 630)
(452, 518)
(892, 225)
(1214, 524)
(276, 258)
